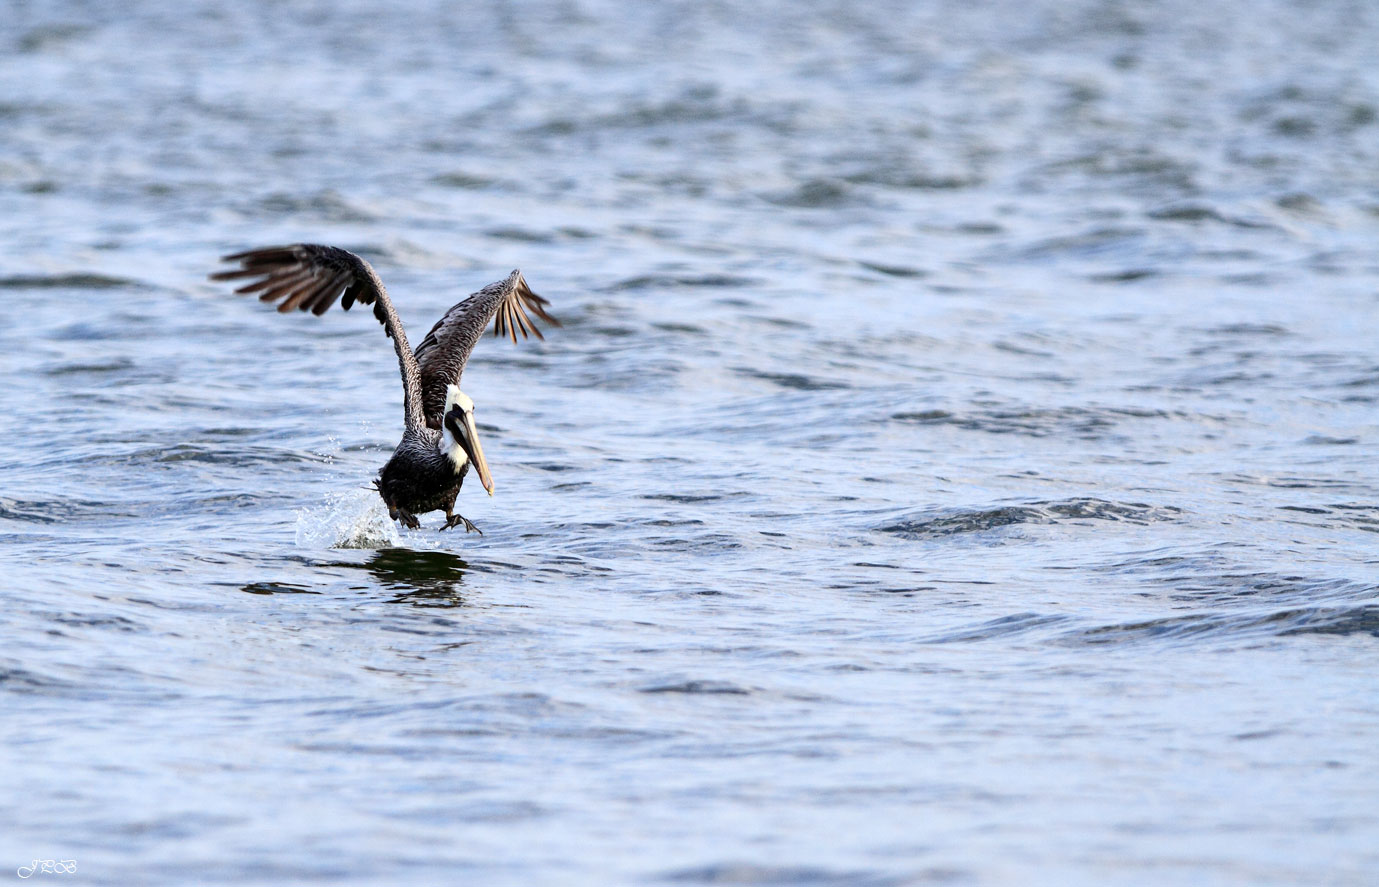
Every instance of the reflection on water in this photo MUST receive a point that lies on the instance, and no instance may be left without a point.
(421, 578)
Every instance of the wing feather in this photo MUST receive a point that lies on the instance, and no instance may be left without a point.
(280, 288)
(303, 297)
(310, 277)
(444, 352)
(266, 283)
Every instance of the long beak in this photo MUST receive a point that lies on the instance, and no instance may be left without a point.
(475, 451)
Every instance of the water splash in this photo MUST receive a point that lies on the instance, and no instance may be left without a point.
(329, 451)
(349, 519)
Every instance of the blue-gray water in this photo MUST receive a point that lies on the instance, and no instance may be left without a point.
(958, 463)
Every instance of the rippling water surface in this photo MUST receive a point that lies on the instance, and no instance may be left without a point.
(957, 463)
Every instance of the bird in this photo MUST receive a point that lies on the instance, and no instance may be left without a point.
(439, 439)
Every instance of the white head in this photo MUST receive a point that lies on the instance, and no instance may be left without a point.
(454, 397)
(459, 437)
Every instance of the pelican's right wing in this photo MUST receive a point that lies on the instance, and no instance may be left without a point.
(445, 350)
(310, 277)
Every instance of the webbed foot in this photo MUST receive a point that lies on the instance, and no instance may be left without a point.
(454, 520)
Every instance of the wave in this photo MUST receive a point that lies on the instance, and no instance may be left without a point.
(950, 521)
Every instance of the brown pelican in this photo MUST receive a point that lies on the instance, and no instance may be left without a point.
(440, 441)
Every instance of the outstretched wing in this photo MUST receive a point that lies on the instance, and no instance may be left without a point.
(445, 350)
(310, 277)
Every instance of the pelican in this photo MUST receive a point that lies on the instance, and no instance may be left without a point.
(439, 439)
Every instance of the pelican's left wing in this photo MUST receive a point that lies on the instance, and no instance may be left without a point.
(445, 350)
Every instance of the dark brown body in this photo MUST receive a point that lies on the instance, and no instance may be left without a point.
(419, 478)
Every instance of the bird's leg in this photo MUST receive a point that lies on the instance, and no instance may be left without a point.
(408, 519)
(454, 520)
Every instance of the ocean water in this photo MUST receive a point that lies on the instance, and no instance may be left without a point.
(957, 463)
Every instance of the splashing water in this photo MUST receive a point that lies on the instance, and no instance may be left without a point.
(349, 519)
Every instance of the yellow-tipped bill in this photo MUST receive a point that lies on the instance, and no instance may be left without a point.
(470, 441)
